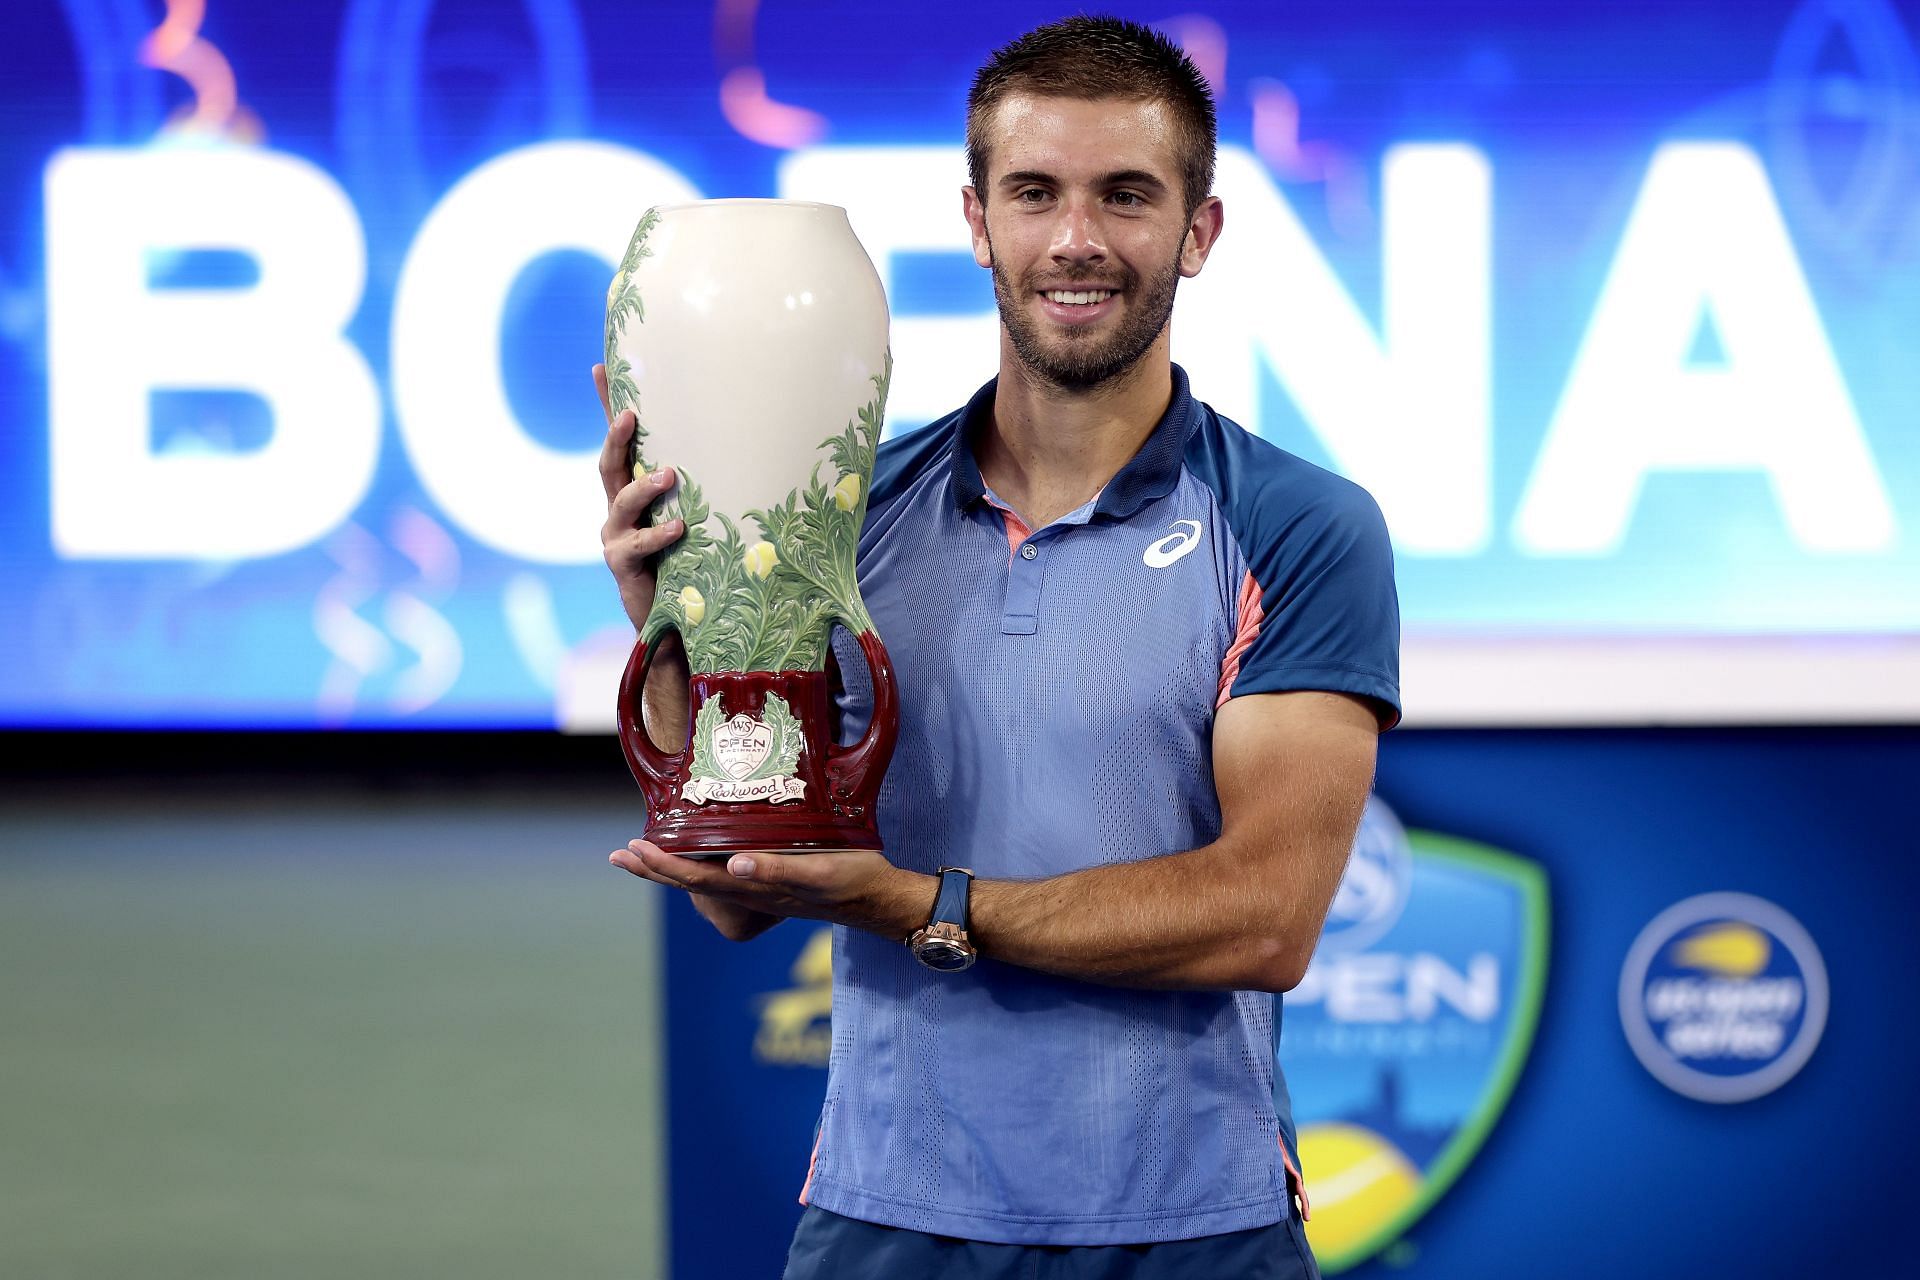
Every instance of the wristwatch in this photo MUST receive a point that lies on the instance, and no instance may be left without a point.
(941, 943)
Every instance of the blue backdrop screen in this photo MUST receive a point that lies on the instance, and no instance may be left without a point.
(1611, 308)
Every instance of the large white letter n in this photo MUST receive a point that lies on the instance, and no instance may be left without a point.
(1705, 240)
(112, 340)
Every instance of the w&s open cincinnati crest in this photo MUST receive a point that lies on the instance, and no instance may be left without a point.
(738, 758)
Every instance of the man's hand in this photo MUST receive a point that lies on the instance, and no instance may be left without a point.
(626, 539)
(746, 893)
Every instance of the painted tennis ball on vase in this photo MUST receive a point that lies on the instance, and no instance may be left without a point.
(847, 492)
(693, 605)
(1358, 1181)
(760, 559)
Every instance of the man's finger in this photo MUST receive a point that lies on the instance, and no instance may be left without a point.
(600, 385)
(631, 864)
(616, 462)
(802, 870)
(628, 509)
(703, 874)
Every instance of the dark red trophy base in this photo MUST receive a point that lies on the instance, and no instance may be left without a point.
(836, 810)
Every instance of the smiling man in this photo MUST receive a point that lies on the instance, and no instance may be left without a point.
(1143, 660)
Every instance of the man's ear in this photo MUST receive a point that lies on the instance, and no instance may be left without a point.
(974, 209)
(1203, 232)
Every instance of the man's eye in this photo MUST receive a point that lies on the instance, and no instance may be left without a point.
(1032, 195)
(1127, 199)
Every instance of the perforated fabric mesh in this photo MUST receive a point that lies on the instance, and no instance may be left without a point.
(1001, 1103)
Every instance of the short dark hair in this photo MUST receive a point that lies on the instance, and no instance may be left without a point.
(1091, 58)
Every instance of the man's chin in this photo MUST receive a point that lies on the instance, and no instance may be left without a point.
(1078, 374)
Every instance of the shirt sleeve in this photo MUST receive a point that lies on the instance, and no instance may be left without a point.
(1318, 607)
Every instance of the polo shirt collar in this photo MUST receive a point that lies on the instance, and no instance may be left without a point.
(1150, 474)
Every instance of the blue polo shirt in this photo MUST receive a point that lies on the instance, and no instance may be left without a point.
(1057, 690)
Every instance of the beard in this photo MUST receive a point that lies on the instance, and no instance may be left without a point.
(1077, 360)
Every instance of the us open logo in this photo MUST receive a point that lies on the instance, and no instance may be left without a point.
(1723, 997)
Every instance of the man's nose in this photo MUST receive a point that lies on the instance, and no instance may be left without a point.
(1078, 236)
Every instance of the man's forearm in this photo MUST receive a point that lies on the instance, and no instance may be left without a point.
(1183, 921)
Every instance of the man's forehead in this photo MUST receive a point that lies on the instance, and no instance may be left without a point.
(1082, 136)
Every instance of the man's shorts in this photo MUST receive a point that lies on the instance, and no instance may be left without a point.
(830, 1247)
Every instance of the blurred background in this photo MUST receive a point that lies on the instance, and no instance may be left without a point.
(312, 962)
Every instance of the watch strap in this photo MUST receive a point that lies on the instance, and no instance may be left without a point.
(950, 907)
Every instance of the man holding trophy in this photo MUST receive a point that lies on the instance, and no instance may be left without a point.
(1142, 661)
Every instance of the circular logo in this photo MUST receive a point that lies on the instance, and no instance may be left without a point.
(1723, 997)
(1373, 892)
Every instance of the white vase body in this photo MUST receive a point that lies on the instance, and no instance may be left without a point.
(765, 327)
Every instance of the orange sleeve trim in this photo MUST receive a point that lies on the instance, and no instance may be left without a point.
(813, 1162)
(1251, 612)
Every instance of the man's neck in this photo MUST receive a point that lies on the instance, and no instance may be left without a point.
(1048, 450)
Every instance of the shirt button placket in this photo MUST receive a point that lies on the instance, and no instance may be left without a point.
(1021, 616)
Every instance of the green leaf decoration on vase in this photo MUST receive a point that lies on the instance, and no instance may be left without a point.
(788, 740)
(769, 603)
(623, 304)
(709, 718)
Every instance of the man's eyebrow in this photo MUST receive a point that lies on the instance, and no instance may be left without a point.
(1118, 178)
(1133, 178)
(1020, 177)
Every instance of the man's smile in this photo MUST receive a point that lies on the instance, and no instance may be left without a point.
(1078, 306)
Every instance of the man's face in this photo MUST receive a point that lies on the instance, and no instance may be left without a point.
(1086, 229)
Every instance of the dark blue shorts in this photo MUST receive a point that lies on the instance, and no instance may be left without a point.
(830, 1247)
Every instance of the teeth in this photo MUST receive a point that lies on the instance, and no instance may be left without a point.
(1080, 299)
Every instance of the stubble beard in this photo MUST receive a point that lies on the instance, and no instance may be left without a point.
(1080, 361)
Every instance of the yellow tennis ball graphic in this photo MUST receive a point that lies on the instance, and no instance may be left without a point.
(846, 492)
(694, 605)
(760, 559)
(1357, 1182)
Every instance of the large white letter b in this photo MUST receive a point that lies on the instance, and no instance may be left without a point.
(112, 340)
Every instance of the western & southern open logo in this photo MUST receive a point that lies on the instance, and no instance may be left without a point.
(1723, 997)
(1404, 1041)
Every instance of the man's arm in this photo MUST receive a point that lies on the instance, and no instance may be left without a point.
(1292, 771)
(1243, 913)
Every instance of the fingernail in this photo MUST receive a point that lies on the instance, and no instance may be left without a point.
(740, 865)
(634, 845)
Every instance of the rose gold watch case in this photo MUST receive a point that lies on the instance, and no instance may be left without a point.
(946, 940)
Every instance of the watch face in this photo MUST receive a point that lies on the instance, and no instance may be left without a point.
(947, 957)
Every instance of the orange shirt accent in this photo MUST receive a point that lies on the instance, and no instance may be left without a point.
(1251, 613)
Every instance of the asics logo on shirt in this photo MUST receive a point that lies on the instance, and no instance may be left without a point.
(1173, 546)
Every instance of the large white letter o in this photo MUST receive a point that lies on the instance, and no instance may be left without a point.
(474, 458)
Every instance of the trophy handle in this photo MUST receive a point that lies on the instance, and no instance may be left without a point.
(856, 771)
(652, 768)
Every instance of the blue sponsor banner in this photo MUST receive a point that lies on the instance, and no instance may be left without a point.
(1467, 1097)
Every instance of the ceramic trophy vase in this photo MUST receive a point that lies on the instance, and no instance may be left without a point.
(750, 339)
